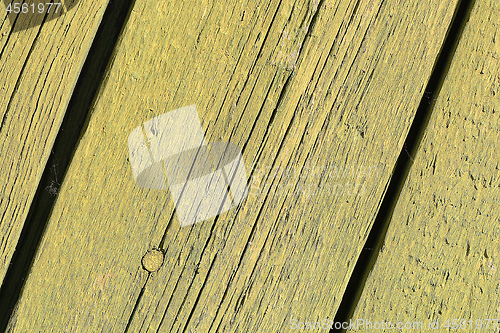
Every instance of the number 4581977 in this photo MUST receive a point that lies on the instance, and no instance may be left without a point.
(39, 8)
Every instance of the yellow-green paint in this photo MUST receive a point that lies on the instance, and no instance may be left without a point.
(38, 70)
(441, 256)
(299, 86)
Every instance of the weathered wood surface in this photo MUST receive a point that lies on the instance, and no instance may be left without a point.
(441, 256)
(39, 66)
(308, 90)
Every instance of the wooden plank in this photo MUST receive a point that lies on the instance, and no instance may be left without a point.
(307, 90)
(39, 65)
(442, 246)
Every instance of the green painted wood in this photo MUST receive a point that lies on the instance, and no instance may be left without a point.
(441, 254)
(318, 95)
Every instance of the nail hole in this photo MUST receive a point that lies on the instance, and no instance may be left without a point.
(152, 260)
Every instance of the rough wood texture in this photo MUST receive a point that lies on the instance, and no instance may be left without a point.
(39, 67)
(308, 90)
(441, 254)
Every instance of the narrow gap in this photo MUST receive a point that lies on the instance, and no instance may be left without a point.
(196, 273)
(136, 305)
(233, 274)
(172, 294)
(186, 295)
(375, 240)
(162, 246)
(195, 304)
(71, 130)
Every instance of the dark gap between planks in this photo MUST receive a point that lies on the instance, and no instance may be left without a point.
(73, 126)
(376, 237)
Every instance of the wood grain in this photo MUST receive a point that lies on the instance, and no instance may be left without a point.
(441, 254)
(39, 67)
(318, 95)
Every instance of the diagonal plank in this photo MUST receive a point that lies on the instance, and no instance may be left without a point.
(39, 64)
(441, 254)
(318, 95)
